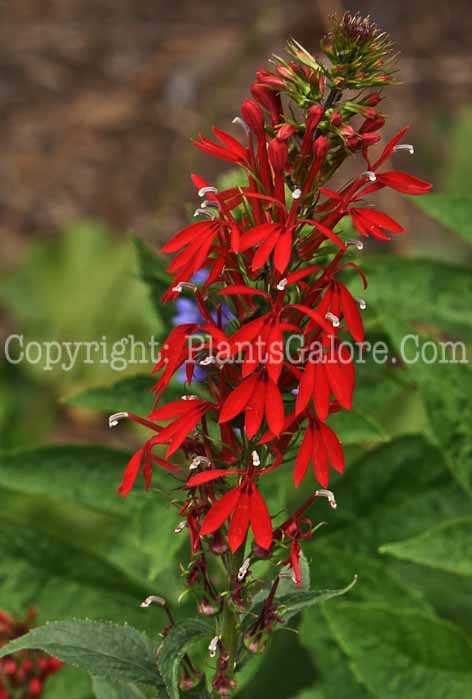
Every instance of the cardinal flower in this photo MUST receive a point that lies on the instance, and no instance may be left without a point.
(321, 447)
(326, 373)
(244, 504)
(257, 396)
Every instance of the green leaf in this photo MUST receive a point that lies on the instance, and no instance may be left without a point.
(132, 395)
(394, 491)
(151, 268)
(174, 647)
(452, 211)
(102, 649)
(291, 604)
(87, 476)
(355, 428)
(105, 689)
(419, 292)
(78, 285)
(403, 653)
(314, 692)
(338, 679)
(446, 547)
(446, 391)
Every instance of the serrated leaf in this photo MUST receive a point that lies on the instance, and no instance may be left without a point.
(102, 649)
(403, 653)
(174, 647)
(131, 394)
(451, 210)
(291, 604)
(447, 547)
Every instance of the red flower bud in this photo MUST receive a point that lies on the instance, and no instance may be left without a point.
(286, 131)
(336, 119)
(278, 155)
(372, 124)
(254, 118)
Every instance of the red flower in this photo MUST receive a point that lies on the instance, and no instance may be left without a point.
(257, 396)
(244, 504)
(320, 446)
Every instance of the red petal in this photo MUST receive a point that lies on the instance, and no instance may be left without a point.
(303, 457)
(220, 511)
(174, 409)
(263, 251)
(378, 218)
(333, 447)
(207, 476)
(193, 232)
(274, 407)
(352, 314)
(283, 252)
(256, 234)
(306, 387)
(131, 473)
(230, 143)
(320, 460)
(322, 391)
(404, 183)
(241, 290)
(254, 413)
(239, 522)
(238, 399)
(340, 379)
(261, 523)
(389, 147)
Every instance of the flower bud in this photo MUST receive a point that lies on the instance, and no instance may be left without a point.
(254, 118)
(278, 155)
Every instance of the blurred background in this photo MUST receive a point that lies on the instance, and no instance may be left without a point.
(99, 101)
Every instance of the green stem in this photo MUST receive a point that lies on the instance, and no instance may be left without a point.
(230, 630)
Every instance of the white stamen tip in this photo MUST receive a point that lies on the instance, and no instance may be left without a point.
(153, 599)
(203, 191)
(190, 397)
(282, 285)
(114, 419)
(329, 495)
(209, 204)
(333, 318)
(242, 572)
(356, 243)
(208, 360)
(370, 175)
(405, 146)
(204, 212)
(297, 193)
(180, 527)
(213, 647)
(362, 304)
(256, 458)
(178, 288)
(197, 461)
(240, 122)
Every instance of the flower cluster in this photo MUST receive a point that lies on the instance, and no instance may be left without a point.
(267, 260)
(23, 676)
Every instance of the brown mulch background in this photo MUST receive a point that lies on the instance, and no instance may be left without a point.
(99, 98)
